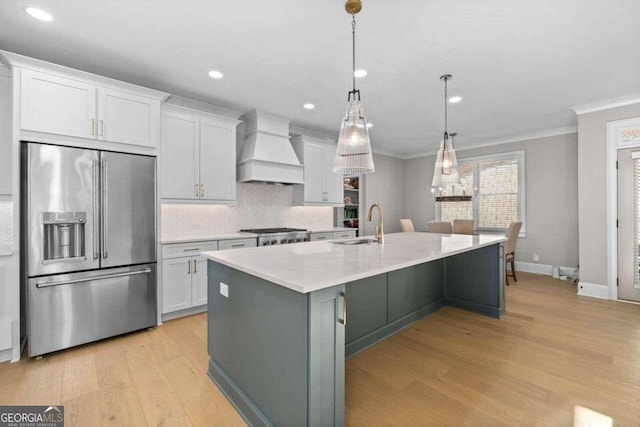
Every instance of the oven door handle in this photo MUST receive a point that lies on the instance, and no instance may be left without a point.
(90, 279)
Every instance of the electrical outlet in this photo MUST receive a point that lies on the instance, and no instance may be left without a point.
(536, 258)
(224, 290)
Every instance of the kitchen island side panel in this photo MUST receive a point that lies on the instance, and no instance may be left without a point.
(257, 341)
(474, 281)
(414, 287)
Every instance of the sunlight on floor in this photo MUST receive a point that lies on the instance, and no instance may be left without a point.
(585, 417)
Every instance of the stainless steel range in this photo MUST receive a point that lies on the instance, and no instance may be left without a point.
(280, 236)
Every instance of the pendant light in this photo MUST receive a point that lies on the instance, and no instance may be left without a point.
(446, 177)
(353, 155)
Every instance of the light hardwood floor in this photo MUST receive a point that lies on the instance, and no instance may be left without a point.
(552, 352)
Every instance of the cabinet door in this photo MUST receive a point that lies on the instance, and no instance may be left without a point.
(321, 236)
(176, 284)
(57, 105)
(179, 157)
(127, 118)
(5, 136)
(332, 182)
(199, 281)
(313, 179)
(217, 161)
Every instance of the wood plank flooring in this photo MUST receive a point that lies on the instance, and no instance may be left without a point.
(553, 352)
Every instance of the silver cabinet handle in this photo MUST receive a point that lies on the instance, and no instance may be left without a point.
(321, 238)
(343, 320)
(201, 190)
(101, 127)
(105, 201)
(189, 267)
(195, 266)
(90, 279)
(96, 201)
(191, 250)
(93, 127)
(239, 245)
(197, 190)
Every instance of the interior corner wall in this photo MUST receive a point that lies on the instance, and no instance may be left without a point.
(592, 190)
(384, 187)
(551, 192)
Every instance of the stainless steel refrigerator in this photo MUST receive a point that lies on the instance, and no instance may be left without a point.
(89, 245)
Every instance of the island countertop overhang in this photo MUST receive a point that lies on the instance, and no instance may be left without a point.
(312, 266)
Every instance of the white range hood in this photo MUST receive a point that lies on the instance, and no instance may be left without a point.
(268, 155)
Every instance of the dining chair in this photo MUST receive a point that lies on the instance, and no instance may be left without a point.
(510, 248)
(462, 226)
(443, 227)
(407, 225)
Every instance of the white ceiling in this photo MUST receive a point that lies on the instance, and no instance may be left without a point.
(519, 66)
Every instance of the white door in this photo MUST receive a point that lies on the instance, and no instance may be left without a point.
(176, 284)
(179, 157)
(57, 105)
(313, 175)
(333, 184)
(217, 161)
(628, 224)
(199, 281)
(127, 118)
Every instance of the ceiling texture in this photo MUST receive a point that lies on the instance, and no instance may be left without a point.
(519, 66)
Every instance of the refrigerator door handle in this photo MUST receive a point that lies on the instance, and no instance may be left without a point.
(104, 188)
(96, 201)
(89, 279)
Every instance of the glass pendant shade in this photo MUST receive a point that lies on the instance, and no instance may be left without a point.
(445, 173)
(353, 155)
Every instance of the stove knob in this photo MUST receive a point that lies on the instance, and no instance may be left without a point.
(274, 242)
(265, 242)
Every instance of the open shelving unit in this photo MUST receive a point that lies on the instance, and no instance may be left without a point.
(349, 215)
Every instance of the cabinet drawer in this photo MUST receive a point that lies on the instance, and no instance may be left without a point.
(188, 249)
(344, 234)
(237, 243)
(321, 236)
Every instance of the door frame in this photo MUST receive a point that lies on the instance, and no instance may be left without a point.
(613, 145)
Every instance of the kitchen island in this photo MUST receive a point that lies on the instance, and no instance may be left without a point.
(282, 319)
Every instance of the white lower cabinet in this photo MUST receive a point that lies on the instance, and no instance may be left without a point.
(321, 236)
(184, 272)
(347, 234)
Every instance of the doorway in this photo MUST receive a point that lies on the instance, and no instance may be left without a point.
(628, 224)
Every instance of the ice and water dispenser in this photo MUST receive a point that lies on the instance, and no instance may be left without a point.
(64, 236)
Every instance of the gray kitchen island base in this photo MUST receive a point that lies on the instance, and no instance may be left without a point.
(279, 355)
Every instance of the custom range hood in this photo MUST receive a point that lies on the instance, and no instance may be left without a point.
(268, 155)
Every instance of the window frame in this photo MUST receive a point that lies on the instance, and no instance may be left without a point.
(522, 197)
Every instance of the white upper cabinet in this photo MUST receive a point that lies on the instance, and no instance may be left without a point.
(127, 118)
(322, 187)
(180, 158)
(61, 101)
(217, 161)
(6, 139)
(198, 156)
(58, 105)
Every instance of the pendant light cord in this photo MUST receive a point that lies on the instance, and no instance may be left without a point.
(446, 133)
(353, 39)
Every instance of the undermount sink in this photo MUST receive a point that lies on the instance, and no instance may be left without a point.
(353, 242)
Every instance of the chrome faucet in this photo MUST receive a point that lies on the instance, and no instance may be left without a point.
(379, 229)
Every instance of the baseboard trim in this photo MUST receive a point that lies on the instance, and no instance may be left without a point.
(544, 269)
(594, 290)
(6, 355)
(186, 312)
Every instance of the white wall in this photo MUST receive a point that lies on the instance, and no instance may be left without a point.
(592, 190)
(551, 191)
(384, 187)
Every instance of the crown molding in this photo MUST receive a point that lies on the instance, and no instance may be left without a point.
(607, 104)
(505, 140)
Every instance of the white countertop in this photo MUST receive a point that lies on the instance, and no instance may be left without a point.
(311, 266)
(220, 236)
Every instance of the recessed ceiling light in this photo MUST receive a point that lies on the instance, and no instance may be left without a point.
(455, 99)
(360, 73)
(369, 125)
(39, 14)
(214, 74)
(309, 106)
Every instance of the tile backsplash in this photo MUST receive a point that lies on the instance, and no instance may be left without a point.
(259, 206)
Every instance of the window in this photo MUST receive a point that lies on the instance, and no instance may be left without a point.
(500, 200)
